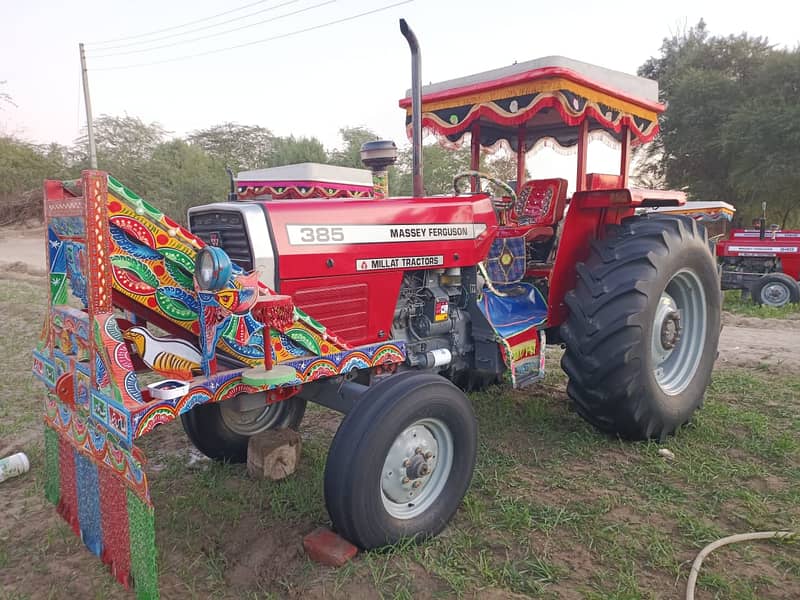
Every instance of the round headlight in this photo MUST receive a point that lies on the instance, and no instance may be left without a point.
(212, 268)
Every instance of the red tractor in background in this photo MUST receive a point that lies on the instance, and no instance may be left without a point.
(474, 285)
(762, 263)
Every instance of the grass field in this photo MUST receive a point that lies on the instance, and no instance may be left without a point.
(736, 303)
(555, 510)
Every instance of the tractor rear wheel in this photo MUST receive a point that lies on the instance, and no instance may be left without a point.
(222, 430)
(401, 460)
(776, 290)
(642, 334)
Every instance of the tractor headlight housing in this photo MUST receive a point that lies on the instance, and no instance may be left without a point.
(212, 268)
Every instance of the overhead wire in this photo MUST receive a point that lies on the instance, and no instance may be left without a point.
(216, 34)
(180, 33)
(254, 42)
(173, 27)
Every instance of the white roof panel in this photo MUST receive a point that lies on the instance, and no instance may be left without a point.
(631, 85)
(309, 172)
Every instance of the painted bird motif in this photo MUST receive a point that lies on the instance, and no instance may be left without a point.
(170, 357)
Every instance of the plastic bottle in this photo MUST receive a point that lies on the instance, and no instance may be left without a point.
(14, 465)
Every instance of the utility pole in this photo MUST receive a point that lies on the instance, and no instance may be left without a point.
(88, 102)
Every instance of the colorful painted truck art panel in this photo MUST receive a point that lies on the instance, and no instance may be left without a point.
(116, 264)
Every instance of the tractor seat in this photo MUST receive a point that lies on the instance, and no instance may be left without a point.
(540, 207)
(510, 305)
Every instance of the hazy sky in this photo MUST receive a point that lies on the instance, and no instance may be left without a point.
(313, 83)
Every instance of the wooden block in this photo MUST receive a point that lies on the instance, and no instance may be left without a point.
(273, 454)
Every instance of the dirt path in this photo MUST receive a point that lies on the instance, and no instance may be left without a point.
(22, 251)
(753, 342)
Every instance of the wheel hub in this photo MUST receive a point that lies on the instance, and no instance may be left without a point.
(671, 330)
(679, 330)
(410, 464)
(416, 468)
(775, 294)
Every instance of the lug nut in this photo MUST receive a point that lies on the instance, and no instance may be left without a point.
(406, 462)
(424, 469)
(418, 450)
(406, 480)
(427, 455)
(416, 484)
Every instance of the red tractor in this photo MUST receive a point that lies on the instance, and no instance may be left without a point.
(764, 263)
(311, 285)
(472, 286)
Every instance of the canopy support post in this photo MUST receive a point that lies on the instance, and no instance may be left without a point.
(521, 150)
(583, 146)
(475, 154)
(625, 160)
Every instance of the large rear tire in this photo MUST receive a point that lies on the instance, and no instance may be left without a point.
(401, 460)
(643, 330)
(222, 430)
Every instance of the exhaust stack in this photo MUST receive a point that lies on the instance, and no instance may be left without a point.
(416, 109)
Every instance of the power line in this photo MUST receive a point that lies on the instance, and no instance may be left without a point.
(173, 27)
(204, 27)
(205, 37)
(269, 39)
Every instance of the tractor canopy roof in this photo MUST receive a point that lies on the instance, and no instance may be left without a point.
(308, 172)
(541, 100)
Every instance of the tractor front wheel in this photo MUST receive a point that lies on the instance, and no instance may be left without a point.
(642, 334)
(401, 460)
(222, 430)
(776, 290)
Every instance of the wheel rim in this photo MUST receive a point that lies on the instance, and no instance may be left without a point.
(775, 294)
(250, 421)
(679, 332)
(416, 468)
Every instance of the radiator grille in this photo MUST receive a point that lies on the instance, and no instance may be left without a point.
(343, 308)
(226, 230)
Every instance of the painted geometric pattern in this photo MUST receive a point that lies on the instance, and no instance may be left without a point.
(152, 261)
(515, 104)
(279, 191)
(228, 384)
(114, 521)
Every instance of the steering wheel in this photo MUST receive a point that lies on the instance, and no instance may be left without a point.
(498, 204)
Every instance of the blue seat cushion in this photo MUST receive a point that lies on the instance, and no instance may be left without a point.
(516, 308)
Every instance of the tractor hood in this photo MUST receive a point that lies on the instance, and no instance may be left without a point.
(328, 238)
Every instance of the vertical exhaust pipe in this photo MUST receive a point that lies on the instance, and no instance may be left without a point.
(416, 109)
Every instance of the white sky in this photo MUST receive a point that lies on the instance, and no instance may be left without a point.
(349, 74)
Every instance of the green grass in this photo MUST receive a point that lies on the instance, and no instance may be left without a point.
(734, 302)
(555, 509)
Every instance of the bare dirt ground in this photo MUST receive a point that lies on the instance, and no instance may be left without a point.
(22, 252)
(760, 343)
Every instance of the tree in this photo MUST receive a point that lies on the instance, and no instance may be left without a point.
(762, 139)
(181, 175)
(710, 84)
(23, 166)
(350, 154)
(5, 97)
(125, 146)
(291, 150)
(240, 147)
(440, 165)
